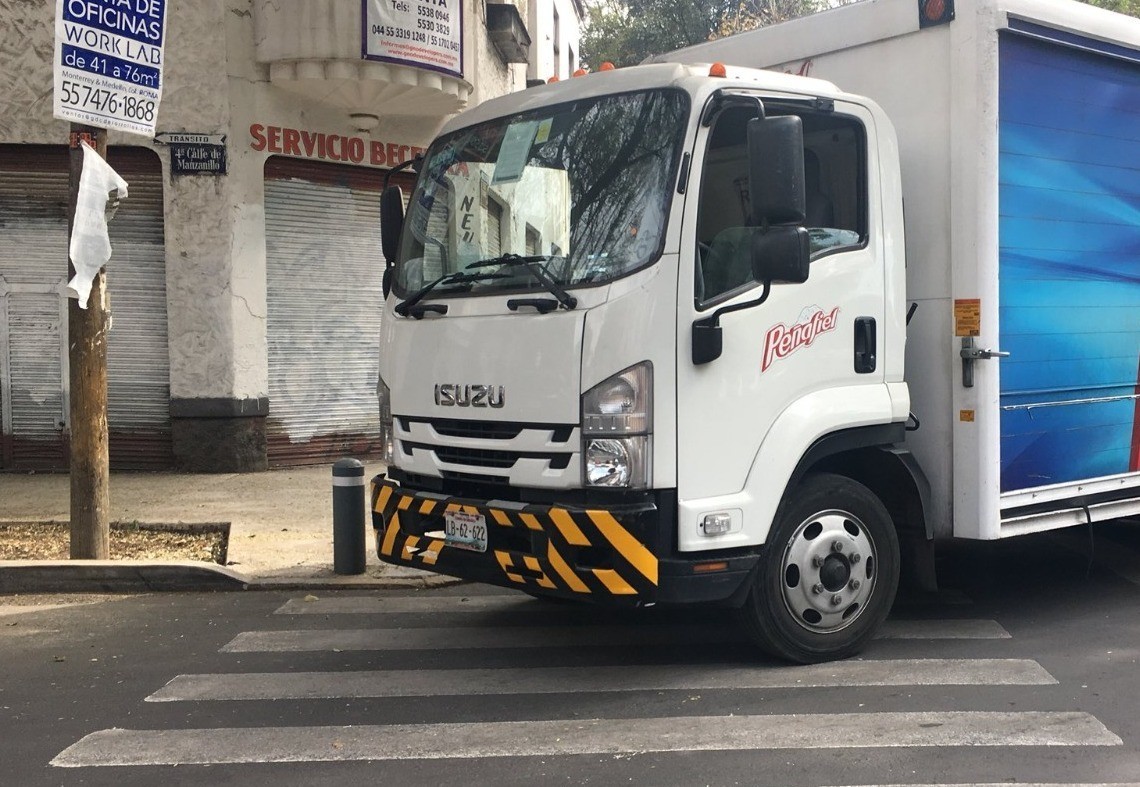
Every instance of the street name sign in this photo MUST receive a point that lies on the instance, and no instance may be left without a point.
(197, 159)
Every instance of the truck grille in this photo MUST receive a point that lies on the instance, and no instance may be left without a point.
(536, 453)
(478, 457)
(486, 430)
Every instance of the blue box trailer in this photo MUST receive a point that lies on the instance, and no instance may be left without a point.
(1069, 260)
(1018, 126)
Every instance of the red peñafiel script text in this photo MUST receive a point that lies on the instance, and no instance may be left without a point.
(783, 340)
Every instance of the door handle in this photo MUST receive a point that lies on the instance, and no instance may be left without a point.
(865, 338)
(970, 353)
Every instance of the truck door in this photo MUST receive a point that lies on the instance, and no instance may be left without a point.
(804, 363)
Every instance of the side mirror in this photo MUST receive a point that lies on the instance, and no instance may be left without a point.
(782, 254)
(391, 221)
(708, 342)
(776, 187)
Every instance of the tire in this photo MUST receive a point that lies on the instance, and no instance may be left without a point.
(829, 573)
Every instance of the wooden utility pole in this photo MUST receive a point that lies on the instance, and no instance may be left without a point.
(87, 364)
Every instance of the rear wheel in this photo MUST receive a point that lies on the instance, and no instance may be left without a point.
(829, 573)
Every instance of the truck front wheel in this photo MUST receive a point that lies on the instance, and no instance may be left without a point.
(829, 573)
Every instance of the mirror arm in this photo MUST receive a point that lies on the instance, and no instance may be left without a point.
(706, 333)
(713, 320)
(412, 163)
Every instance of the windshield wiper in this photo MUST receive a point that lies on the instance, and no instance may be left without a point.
(404, 308)
(533, 264)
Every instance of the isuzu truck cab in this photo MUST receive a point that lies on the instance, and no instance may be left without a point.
(645, 342)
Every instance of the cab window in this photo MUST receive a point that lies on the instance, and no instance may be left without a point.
(835, 196)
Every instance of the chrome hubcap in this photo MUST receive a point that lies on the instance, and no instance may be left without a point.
(828, 571)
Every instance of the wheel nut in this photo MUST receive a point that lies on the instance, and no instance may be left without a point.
(817, 588)
(855, 557)
(836, 600)
(836, 546)
(854, 584)
(817, 561)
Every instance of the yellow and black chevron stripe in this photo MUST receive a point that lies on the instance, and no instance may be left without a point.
(586, 552)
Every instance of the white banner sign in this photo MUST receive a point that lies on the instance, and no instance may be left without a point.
(108, 62)
(421, 33)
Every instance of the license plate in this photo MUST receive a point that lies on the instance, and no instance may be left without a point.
(465, 531)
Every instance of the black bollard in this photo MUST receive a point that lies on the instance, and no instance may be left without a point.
(348, 516)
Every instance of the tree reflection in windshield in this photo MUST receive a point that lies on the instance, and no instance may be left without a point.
(587, 183)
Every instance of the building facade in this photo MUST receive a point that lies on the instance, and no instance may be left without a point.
(245, 304)
(555, 30)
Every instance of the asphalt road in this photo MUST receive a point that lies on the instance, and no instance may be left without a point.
(1023, 669)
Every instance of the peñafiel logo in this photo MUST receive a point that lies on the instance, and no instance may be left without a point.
(783, 340)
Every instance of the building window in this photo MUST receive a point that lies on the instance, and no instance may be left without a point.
(557, 50)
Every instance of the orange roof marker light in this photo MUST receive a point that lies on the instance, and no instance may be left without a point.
(718, 70)
(606, 66)
(552, 80)
(581, 72)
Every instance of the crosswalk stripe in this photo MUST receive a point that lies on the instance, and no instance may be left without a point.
(554, 680)
(597, 736)
(562, 636)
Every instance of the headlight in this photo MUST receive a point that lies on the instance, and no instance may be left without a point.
(384, 397)
(622, 404)
(621, 463)
(617, 420)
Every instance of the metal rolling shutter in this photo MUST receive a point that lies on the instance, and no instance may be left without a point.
(494, 229)
(324, 268)
(33, 312)
(138, 352)
(33, 316)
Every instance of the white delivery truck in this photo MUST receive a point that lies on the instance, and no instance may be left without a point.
(712, 334)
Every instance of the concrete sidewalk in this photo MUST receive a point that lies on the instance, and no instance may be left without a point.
(280, 531)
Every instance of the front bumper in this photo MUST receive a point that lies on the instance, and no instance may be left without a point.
(614, 555)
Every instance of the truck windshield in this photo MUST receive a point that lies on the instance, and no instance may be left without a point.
(584, 185)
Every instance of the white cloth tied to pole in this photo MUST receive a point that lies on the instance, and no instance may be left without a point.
(90, 245)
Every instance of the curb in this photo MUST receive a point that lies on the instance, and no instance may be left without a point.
(125, 576)
(115, 576)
